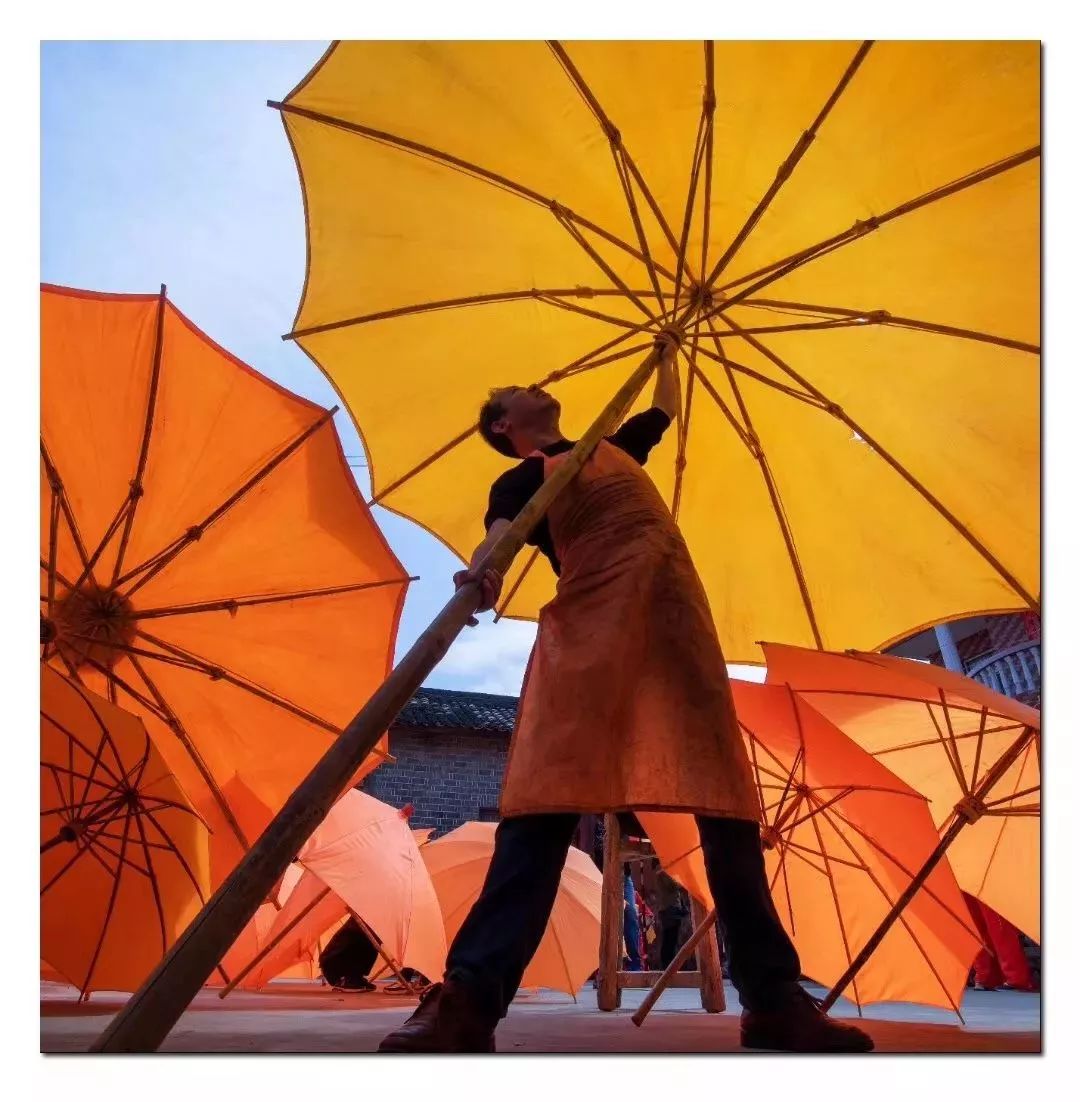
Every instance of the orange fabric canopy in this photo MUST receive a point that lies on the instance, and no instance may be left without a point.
(569, 951)
(124, 858)
(206, 555)
(843, 837)
(960, 744)
(362, 859)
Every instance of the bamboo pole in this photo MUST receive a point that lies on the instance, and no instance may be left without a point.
(708, 962)
(992, 777)
(681, 957)
(612, 902)
(149, 1015)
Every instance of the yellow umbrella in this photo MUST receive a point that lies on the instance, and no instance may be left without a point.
(851, 234)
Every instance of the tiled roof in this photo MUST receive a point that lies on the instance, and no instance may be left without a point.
(449, 708)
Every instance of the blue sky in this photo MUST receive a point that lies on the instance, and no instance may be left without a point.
(161, 163)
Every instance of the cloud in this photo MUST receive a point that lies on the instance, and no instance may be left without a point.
(490, 658)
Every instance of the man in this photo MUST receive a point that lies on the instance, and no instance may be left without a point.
(626, 705)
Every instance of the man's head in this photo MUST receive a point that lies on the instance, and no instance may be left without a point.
(515, 420)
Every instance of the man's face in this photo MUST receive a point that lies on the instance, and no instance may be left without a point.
(527, 409)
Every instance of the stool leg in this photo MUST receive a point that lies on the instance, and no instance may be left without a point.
(608, 992)
(708, 962)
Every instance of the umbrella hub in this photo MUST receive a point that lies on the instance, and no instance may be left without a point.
(94, 624)
(770, 837)
(703, 298)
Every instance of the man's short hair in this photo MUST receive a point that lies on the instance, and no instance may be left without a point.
(490, 412)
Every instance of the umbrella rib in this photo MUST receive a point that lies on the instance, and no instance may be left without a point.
(154, 887)
(611, 132)
(110, 908)
(836, 860)
(684, 426)
(978, 746)
(734, 365)
(232, 604)
(56, 483)
(724, 408)
(458, 163)
(709, 105)
(784, 172)
(173, 722)
(517, 583)
(952, 737)
(949, 750)
(54, 545)
(884, 317)
(901, 918)
(106, 739)
(157, 563)
(757, 450)
(933, 741)
(1005, 819)
(136, 492)
(73, 739)
(912, 481)
(836, 904)
(696, 159)
(80, 851)
(454, 303)
(572, 307)
(582, 363)
(1014, 796)
(780, 268)
(175, 850)
(221, 673)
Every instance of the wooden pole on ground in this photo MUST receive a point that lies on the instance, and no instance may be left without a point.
(149, 1015)
(672, 970)
(966, 814)
(708, 961)
(608, 992)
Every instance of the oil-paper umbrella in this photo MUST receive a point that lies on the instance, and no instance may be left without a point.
(124, 857)
(973, 753)
(844, 838)
(206, 558)
(568, 952)
(362, 860)
(849, 236)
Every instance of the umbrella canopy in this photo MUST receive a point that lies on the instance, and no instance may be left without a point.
(206, 557)
(124, 858)
(567, 956)
(973, 753)
(362, 859)
(860, 372)
(843, 838)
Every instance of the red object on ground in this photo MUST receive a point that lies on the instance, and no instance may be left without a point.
(1002, 959)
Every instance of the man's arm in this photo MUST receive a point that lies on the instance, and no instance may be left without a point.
(666, 392)
(491, 582)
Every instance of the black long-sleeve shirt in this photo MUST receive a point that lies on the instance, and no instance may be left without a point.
(512, 489)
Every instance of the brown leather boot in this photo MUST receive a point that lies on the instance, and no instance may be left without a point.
(795, 1022)
(448, 1019)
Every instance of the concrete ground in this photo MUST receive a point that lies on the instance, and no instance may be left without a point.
(303, 1017)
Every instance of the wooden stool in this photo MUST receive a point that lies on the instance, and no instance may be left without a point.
(610, 981)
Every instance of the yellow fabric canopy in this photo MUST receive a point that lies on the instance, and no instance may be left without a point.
(857, 452)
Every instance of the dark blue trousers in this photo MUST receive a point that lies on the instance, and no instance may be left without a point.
(506, 924)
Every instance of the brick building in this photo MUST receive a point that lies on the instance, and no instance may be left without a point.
(450, 754)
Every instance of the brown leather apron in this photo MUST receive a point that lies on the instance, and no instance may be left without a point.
(626, 702)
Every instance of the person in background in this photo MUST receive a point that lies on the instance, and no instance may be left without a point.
(631, 923)
(1002, 961)
(671, 910)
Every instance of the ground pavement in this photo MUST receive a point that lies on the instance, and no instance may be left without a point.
(304, 1017)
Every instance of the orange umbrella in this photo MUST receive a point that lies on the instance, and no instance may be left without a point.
(843, 837)
(567, 956)
(362, 859)
(973, 753)
(206, 556)
(124, 858)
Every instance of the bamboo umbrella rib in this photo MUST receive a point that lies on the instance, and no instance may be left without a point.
(109, 909)
(798, 846)
(724, 408)
(1005, 819)
(573, 307)
(877, 448)
(153, 566)
(709, 106)
(106, 740)
(730, 365)
(611, 132)
(82, 847)
(901, 919)
(780, 268)
(784, 172)
(952, 736)
(978, 746)
(517, 583)
(885, 317)
(151, 818)
(933, 741)
(1014, 796)
(136, 491)
(54, 542)
(950, 750)
(233, 604)
(684, 426)
(173, 722)
(56, 483)
(697, 157)
(450, 161)
(836, 905)
(73, 739)
(617, 155)
(488, 299)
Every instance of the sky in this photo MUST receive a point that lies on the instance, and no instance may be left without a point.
(161, 163)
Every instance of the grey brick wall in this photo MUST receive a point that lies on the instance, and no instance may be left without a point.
(449, 776)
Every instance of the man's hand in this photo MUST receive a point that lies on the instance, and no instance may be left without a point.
(668, 342)
(490, 588)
